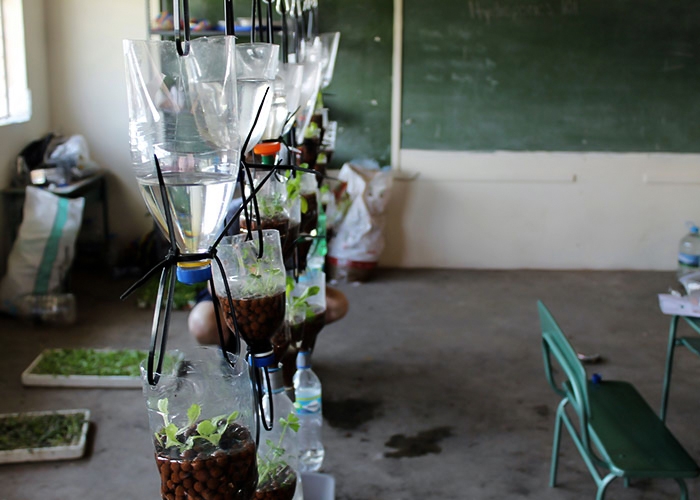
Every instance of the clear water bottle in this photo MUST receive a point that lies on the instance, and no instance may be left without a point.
(689, 252)
(307, 391)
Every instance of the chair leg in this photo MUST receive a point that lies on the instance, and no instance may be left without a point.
(603, 485)
(627, 482)
(684, 488)
(669, 366)
(555, 444)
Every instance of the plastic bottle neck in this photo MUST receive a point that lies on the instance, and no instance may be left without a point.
(304, 360)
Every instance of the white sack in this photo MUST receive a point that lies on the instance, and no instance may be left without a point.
(43, 251)
(360, 235)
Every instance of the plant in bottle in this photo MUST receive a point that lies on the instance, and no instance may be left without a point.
(205, 458)
(276, 478)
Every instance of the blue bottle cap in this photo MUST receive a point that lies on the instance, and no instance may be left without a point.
(192, 275)
(596, 378)
(263, 360)
(694, 229)
(304, 359)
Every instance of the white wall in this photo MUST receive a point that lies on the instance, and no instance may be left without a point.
(88, 93)
(14, 137)
(541, 210)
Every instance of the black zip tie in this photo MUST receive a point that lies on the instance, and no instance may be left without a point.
(256, 209)
(236, 336)
(166, 276)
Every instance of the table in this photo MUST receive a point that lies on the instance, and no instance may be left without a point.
(691, 343)
(92, 188)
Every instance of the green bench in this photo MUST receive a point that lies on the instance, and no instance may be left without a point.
(614, 428)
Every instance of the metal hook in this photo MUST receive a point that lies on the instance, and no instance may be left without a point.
(182, 48)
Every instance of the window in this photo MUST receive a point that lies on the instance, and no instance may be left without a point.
(15, 99)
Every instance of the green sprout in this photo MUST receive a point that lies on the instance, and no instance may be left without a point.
(301, 303)
(40, 431)
(124, 362)
(272, 462)
(184, 438)
(294, 189)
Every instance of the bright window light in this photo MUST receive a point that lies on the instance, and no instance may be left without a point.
(15, 98)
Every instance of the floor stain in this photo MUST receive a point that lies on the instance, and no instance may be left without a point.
(541, 410)
(421, 444)
(349, 414)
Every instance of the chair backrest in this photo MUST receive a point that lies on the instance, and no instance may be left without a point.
(555, 343)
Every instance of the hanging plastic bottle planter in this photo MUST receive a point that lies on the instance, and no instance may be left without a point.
(183, 114)
(200, 416)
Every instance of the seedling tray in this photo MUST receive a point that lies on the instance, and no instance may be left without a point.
(31, 378)
(74, 449)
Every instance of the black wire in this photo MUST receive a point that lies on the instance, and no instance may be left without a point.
(285, 34)
(269, 21)
(260, 22)
(252, 23)
(229, 18)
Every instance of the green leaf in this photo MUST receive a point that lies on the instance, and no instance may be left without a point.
(293, 422)
(304, 205)
(233, 416)
(270, 443)
(171, 435)
(193, 413)
(163, 405)
(214, 438)
(206, 428)
(163, 409)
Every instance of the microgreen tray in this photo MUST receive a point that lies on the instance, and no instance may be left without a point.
(88, 368)
(24, 428)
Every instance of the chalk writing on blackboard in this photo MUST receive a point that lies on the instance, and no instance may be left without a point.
(481, 11)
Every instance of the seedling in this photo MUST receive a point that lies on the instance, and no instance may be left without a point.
(301, 303)
(40, 431)
(294, 189)
(185, 438)
(272, 462)
(90, 362)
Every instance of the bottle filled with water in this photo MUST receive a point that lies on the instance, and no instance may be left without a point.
(689, 252)
(183, 114)
(307, 393)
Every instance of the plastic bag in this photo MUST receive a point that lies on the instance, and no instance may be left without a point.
(43, 252)
(359, 238)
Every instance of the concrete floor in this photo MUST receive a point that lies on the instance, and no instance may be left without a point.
(433, 386)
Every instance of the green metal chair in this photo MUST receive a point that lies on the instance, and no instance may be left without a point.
(614, 428)
(690, 343)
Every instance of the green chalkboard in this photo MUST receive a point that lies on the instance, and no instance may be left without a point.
(359, 97)
(552, 75)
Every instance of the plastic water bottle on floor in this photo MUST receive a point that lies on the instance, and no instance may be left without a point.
(307, 391)
(689, 252)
